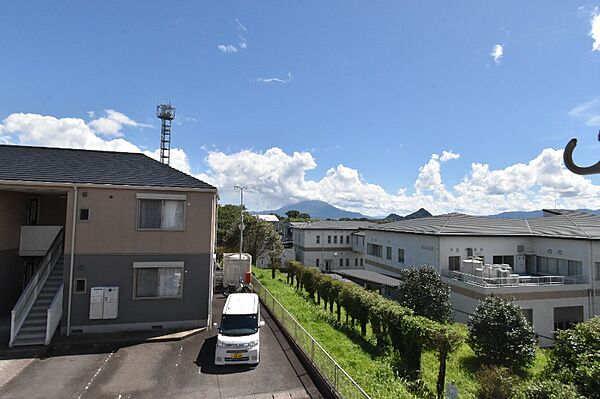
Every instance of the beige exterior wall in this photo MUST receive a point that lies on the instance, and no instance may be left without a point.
(112, 228)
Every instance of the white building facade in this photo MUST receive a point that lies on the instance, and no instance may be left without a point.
(553, 263)
(330, 245)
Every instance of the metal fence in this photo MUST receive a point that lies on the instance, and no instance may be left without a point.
(337, 378)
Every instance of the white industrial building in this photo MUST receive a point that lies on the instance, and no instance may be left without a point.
(329, 244)
(550, 265)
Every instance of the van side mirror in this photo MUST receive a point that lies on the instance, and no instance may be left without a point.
(216, 325)
(261, 324)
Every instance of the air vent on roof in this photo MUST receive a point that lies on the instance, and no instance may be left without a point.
(520, 249)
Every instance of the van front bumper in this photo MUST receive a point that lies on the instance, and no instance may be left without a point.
(225, 356)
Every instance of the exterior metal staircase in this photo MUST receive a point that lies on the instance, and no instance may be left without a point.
(36, 315)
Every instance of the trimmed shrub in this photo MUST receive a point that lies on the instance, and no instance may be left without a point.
(500, 334)
(423, 290)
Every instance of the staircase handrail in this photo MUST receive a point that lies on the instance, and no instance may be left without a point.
(34, 287)
(54, 313)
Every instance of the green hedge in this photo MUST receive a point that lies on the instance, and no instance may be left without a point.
(395, 326)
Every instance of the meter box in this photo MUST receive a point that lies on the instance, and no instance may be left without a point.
(104, 303)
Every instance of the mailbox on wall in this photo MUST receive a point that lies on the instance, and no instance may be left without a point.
(104, 303)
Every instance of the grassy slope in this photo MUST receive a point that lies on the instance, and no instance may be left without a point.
(358, 356)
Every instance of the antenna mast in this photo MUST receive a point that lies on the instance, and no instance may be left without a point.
(166, 113)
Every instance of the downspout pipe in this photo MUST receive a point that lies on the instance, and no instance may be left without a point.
(72, 260)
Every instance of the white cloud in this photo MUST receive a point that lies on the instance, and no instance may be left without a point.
(49, 131)
(595, 30)
(242, 41)
(112, 123)
(589, 112)
(227, 48)
(285, 80)
(278, 178)
(497, 53)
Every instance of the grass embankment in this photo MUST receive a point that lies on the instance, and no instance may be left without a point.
(359, 356)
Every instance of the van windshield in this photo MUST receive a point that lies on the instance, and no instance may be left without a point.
(237, 325)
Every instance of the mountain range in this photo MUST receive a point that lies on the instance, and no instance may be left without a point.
(323, 210)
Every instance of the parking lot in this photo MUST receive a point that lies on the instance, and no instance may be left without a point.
(177, 369)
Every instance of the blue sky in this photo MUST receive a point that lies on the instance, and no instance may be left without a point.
(376, 87)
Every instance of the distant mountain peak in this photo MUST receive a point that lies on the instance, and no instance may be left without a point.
(317, 210)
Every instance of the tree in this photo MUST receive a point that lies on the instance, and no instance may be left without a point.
(546, 388)
(423, 290)
(228, 226)
(500, 334)
(575, 358)
(297, 215)
(261, 238)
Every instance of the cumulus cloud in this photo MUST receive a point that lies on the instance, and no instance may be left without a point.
(277, 178)
(271, 80)
(595, 30)
(49, 131)
(112, 123)
(497, 53)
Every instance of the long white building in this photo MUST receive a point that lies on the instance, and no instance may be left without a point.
(551, 265)
(329, 244)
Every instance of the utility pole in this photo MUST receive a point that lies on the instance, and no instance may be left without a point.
(241, 190)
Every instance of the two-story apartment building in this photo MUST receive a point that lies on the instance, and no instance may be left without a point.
(330, 244)
(97, 241)
(551, 264)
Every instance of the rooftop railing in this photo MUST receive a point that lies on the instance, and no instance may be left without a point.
(514, 280)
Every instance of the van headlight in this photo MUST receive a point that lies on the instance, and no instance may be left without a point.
(251, 344)
(220, 344)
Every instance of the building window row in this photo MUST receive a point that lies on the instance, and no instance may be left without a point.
(562, 267)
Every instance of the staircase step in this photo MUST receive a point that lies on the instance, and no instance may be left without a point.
(33, 329)
(31, 335)
(19, 341)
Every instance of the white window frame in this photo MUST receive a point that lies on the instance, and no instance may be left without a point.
(160, 197)
(157, 265)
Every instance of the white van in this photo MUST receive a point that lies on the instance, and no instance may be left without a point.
(238, 341)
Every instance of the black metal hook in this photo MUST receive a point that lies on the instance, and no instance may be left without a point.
(568, 158)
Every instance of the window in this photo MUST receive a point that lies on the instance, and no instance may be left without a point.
(80, 285)
(355, 262)
(317, 262)
(335, 239)
(504, 259)
(347, 262)
(347, 239)
(388, 253)
(375, 250)
(597, 271)
(158, 280)
(328, 239)
(361, 261)
(161, 213)
(566, 317)
(454, 263)
(341, 239)
(318, 239)
(84, 214)
(561, 267)
(341, 262)
(400, 255)
(576, 268)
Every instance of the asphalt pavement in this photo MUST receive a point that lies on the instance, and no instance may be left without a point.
(172, 369)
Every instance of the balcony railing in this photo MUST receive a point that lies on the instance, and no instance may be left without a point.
(515, 280)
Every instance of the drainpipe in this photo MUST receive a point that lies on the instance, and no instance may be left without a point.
(73, 224)
(593, 279)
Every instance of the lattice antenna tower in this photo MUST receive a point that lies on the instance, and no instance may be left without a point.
(166, 113)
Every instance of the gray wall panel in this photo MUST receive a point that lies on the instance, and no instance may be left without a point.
(117, 270)
(10, 285)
